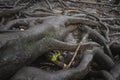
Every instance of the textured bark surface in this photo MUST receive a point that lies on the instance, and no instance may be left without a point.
(32, 28)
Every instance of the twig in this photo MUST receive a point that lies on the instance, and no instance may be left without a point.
(76, 51)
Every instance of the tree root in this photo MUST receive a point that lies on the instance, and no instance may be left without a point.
(78, 72)
(75, 73)
(95, 36)
(23, 47)
(102, 75)
(103, 59)
(14, 10)
(30, 51)
(115, 71)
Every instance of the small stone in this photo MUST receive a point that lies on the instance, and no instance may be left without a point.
(22, 29)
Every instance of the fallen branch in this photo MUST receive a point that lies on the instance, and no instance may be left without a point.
(75, 54)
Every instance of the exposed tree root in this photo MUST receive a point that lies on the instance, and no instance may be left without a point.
(116, 71)
(102, 75)
(25, 43)
(26, 36)
(78, 72)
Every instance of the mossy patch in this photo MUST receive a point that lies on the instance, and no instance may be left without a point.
(51, 34)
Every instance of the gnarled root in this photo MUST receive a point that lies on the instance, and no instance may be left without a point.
(97, 37)
(79, 72)
(23, 47)
(101, 58)
(115, 71)
(101, 74)
(27, 52)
